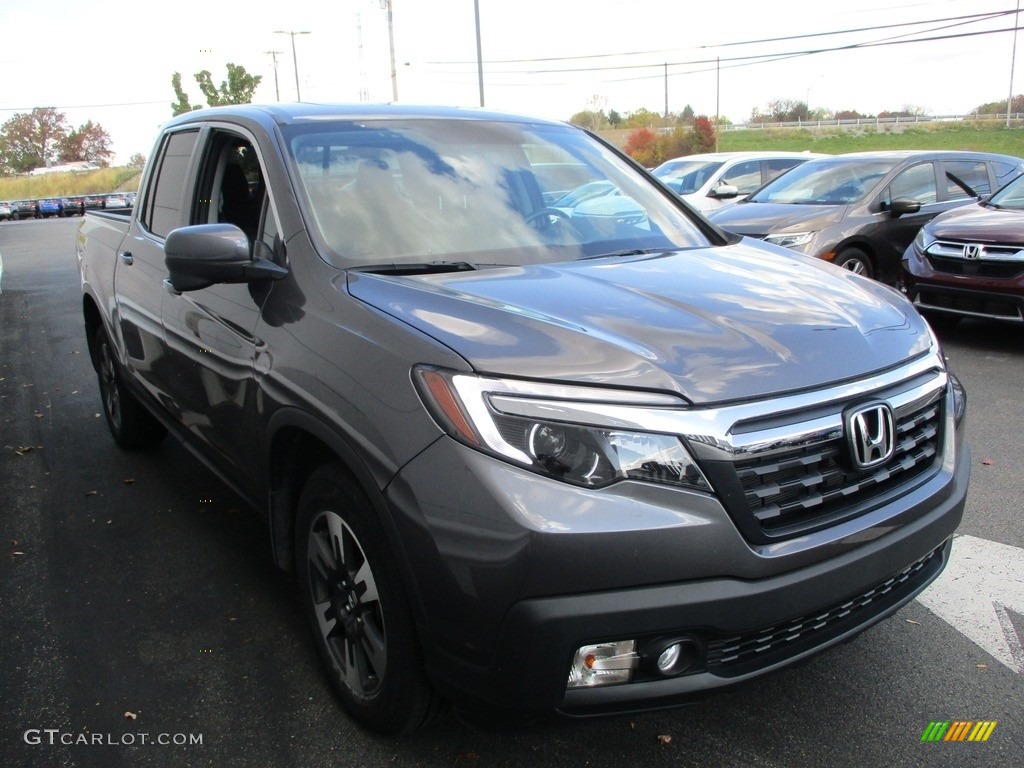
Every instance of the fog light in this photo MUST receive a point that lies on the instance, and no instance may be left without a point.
(677, 657)
(604, 664)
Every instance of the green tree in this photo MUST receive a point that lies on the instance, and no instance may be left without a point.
(642, 118)
(237, 89)
(182, 105)
(589, 119)
(32, 139)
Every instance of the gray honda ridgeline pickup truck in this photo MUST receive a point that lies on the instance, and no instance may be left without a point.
(522, 455)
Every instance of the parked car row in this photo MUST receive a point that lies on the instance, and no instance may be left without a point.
(76, 205)
(862, 211)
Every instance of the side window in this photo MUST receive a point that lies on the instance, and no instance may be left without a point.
(779, 165)
(915, 183)
(232, 184)
(966, 179)
(745, 176)
(1005, 172)
(163, 206)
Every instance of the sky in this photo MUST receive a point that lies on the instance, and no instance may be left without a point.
(112, 63)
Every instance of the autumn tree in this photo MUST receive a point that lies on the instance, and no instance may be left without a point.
(89, 142)
(237, 89)
(32, 139)
(642, 146)
(703, 135)
(137, 160)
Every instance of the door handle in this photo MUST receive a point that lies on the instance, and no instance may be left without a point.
(126, 257)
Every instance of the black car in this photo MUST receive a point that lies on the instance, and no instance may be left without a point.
(861, 210)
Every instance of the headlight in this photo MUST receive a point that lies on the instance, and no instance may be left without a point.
(790, 239)
(923, 240)
(580, 435)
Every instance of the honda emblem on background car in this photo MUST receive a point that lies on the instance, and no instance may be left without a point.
(871, 433)
(973, 250)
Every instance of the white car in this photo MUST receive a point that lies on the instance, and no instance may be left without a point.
(712, 180)
(5, 211)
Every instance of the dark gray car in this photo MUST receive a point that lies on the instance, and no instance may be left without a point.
(861, 210)
(586, 458)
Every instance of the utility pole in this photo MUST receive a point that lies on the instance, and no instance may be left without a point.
(277, 91)
(1013, 62)
(479, 51)
(386, 5)
(295, 61)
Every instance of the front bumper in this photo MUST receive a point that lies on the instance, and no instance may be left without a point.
(504, 603)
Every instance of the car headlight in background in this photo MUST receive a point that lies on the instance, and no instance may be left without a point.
(923, 240)
(790, 239)
(585, 436)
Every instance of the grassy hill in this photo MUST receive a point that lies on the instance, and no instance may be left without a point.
(65, 184)
(983, 136)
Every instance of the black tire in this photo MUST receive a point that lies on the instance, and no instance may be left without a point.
(132, 426)
(352, 594)
(855, 260)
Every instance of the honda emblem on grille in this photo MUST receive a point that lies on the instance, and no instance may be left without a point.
(871, 434)
(973, 251)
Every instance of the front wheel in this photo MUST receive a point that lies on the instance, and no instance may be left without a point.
(352, 594)
(131, 425)
(856, 261)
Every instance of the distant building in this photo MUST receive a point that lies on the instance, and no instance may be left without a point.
(81, 165)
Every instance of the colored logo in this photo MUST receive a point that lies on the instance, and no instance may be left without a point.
(958, 730)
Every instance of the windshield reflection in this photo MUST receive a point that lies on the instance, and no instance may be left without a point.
(394, 192)
(837, 181)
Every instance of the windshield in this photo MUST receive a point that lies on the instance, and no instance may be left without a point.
(1011, 196)
(838, 181)
(416, 191)
(686, 176)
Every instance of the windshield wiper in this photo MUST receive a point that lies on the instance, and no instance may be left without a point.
(626, 252)
(422, 267)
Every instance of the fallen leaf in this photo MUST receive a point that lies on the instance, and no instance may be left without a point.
(130, 716)
(92, 493)
(664, 739)
(987, 462)
(981, 666)
(915, 623)
(17, 554)
(21, 450)
(128, 480)
(38, 415)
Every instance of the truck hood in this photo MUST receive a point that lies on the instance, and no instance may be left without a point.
(759, 219)
(713, 325)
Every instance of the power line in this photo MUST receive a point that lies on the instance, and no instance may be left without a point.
(965, 19)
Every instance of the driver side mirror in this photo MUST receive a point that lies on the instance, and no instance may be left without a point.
(206, 254)
(899, 208)
(724, 192)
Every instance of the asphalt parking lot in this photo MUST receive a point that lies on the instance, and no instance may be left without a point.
(143, 624)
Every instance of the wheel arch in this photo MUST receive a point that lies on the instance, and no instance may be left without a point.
(297, 444)
(93, 320)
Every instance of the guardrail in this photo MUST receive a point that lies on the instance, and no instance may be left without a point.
(1015, 118)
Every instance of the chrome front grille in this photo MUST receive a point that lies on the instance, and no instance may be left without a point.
(817, 480)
